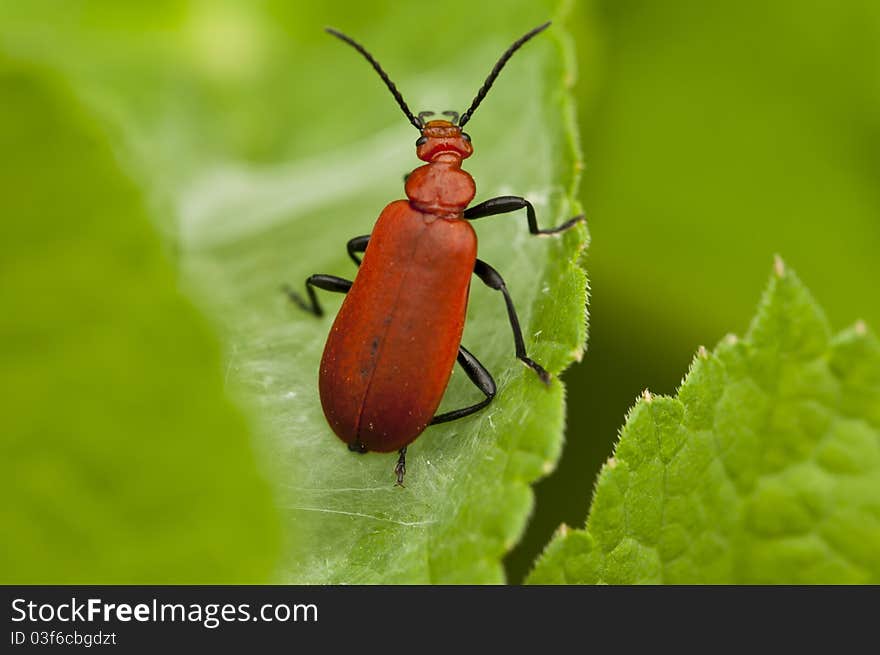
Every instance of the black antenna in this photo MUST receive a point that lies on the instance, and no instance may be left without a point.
(466, 116)
(357, 46)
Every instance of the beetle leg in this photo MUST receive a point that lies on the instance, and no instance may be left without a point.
(325, 282)
(357, 244)
(504, 204)
(480, 377)
(400, 469)
(493, 280)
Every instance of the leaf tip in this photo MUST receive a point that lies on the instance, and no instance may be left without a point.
(647, 396)
(861, 328)
(778, 266)
(702, 353)
(731, 339)
(611, 462)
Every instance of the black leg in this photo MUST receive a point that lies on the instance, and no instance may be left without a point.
(400, 469)
(505, 204)
(493, 279)
(480, 377)
(357, 244)
(325, 282)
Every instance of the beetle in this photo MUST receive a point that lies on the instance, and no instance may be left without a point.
(390, 353)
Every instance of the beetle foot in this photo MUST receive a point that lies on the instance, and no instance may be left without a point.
(537, 368)
(400, 469)
(357, 447)
(559, 229)
(298, 300)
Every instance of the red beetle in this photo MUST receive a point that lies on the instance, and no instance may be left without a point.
(395, 340)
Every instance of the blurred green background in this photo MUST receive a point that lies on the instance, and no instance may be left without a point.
(714, 134)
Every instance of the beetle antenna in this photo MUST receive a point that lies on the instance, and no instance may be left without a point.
(375, 64)
(516, 45)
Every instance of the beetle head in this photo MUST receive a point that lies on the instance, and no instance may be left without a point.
(440, 137)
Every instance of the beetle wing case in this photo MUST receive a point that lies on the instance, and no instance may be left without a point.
(393, 344)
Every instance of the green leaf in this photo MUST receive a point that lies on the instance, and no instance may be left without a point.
(273, 144)
(467, 495)
(764, 469)
(122, 460)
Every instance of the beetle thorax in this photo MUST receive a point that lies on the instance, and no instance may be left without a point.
(441, 187)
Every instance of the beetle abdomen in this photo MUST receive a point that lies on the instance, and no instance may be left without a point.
(394, 342)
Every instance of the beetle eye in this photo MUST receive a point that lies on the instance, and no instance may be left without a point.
(422, 140)
(466, 136)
